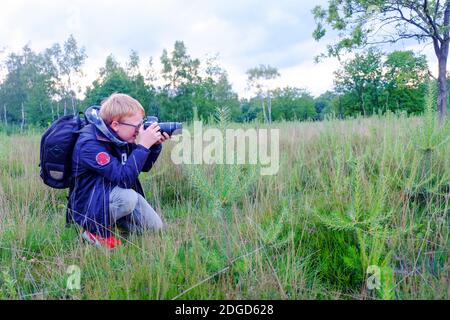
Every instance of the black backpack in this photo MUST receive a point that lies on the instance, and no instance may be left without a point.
(57, 145)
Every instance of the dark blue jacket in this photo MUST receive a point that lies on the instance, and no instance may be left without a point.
(98, 165)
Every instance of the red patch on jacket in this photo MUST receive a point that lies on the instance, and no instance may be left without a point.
(102, 158)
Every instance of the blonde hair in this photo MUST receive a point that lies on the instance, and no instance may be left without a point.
(119, 105)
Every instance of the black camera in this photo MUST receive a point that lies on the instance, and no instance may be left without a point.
(168, 127)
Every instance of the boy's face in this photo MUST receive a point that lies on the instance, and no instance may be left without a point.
(128, 127)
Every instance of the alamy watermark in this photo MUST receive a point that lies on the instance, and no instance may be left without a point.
(234, 146)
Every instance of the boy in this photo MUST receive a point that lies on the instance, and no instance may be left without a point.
(105, 188)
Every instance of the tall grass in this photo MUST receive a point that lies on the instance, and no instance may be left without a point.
(349, 195)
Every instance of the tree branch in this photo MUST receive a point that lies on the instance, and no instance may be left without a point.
(436, 9)
(437, 49)
(421, 15)
(430, 21)
(431, 75)
(447, 20)
(411, 21)
(396, 39)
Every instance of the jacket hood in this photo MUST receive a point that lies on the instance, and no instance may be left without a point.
(93, 117)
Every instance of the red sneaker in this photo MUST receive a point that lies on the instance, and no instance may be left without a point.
(98, 241)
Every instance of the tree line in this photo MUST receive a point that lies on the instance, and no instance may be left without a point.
(39, 87)
(363, 23)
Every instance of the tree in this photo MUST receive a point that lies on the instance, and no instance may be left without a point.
(151, 75)
(69, 61)
(360, 23)
(26, 91)
(114, 78)
(405, 76)
(215, 91)
(258, 79)
(179, 68)
(361, 79)
(133, 64)
(293, 104)
(323, 103)
(249, 110)
(181, 73)
(367, 84)
(112, 66)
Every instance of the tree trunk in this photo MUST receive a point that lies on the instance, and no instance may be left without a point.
(442, 88)
(263, 108)
(377, 102)
(442, 62)
(23, 119)
(73, 106)
(363, 104)
(386, 106)
(65, 106)
(441, 46)
(269, 107)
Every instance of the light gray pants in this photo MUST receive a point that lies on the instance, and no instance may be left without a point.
(129, 210)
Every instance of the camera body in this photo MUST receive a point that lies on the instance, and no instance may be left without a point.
(170, 128)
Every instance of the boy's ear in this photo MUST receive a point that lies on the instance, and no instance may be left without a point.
(114, 125)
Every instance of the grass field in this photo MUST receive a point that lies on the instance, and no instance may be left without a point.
(358, 210)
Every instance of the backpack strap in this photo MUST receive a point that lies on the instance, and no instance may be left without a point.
(81, 120)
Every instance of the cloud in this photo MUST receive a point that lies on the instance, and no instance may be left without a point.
(245, 33)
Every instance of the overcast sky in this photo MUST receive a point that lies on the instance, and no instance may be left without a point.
(245, 33)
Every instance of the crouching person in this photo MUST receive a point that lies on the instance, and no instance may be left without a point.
(108, 157)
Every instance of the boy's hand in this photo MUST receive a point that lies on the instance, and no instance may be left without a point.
(150, 136)
(164, 137)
